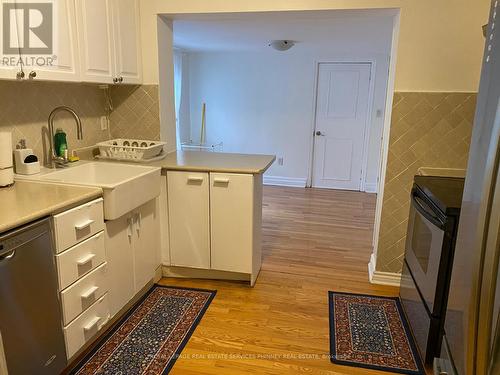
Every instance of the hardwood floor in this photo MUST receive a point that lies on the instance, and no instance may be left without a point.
(313, 241)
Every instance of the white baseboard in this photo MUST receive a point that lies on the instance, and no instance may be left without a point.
(370, 187)
(382, 278)
(285, 181)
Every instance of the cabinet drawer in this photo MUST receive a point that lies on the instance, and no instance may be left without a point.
(232, 221)
(77, 224)
(81, 295)
(83, 328)
(188, 210)
(80, 260)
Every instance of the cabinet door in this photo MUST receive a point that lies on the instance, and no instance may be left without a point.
(146, 243)
(120, 258)
(127, 37)
(95, 40)
(188, 210)
(8, 22)
(231, 222)
(64, 66)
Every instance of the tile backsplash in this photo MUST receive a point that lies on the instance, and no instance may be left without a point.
(427, 130)
(25, 108)
(136, 112)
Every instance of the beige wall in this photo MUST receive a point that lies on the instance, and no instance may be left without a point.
(440, 43)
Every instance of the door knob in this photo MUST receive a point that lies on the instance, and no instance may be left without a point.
(120, 79)
(115, 80)
(32, 74)
(319, 133)
(20, 74)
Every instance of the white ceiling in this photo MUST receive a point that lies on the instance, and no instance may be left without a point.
(254, 31)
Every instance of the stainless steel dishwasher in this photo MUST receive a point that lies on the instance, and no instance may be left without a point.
(30, 314)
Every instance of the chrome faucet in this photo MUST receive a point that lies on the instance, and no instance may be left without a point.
(58, 161)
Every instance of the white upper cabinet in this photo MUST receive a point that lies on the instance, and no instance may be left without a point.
(93, 18)
(8, 25)
(63, 64)
(95, 41)
(127, 36)
(109, 41)
(54, 57)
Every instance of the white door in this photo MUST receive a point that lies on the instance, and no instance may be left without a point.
(95, 39)
(120, 258)
(127, 35)
(341, 118)
(65, 65)
(146, 243)
(188, 216)
(8, 22)
(231, 219)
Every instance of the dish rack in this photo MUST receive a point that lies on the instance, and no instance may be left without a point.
(130, 149)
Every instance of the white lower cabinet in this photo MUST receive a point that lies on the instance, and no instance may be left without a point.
(120, 255)
(80, 259)
(82, 277)
(231, 222)
(132, 246)
(81, 295)
(83, 328)
(215, 221)
(188, 210)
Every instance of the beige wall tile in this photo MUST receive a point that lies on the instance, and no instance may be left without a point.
(427, 130)
(136, 112)
(25, 108)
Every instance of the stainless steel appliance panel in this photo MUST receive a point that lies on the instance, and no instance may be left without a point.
(30, 317)
(415, 310)
(424, 248)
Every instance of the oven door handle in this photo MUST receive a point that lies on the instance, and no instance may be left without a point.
(426, 211)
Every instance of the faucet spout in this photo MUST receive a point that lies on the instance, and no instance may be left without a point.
(79, 131)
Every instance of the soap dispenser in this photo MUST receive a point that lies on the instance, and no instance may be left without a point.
(24, 160)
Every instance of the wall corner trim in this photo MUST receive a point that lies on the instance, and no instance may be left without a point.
(382, 278)
(285, 181)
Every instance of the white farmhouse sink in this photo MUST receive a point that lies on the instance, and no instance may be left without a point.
(125, 186)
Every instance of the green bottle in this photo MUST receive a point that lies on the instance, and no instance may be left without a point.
(60, 143)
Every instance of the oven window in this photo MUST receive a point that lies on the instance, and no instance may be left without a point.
(421, 242)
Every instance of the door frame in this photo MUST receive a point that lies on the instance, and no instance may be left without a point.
(368, 120)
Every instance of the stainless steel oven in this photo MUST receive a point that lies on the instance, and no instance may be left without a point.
(430, 241)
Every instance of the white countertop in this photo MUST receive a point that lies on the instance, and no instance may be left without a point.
(203, 161)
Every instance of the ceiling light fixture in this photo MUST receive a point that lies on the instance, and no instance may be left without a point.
(282, 45)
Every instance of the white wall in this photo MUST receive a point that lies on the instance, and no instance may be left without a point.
(263, 101)
(184, 109)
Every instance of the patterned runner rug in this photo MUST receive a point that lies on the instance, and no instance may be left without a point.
(151, 336)
(371, 332)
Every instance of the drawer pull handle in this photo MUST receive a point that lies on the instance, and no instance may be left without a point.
(90, 292)
(90, 325)
(195, 179)
(84, 224)
(85, 259)
(221, 180)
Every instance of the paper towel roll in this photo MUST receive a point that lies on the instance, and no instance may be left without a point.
(5, 149)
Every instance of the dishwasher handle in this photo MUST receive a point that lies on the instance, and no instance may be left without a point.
(7, 255)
